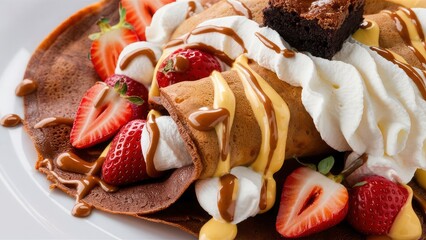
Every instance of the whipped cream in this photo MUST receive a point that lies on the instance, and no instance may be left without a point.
(171, 150)
(141, 68)
(166, 20)
(359, 101)
(247, 199)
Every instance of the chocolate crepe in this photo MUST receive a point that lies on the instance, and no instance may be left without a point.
(63, 73)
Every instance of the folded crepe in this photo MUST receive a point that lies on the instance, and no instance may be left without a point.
(62, 74)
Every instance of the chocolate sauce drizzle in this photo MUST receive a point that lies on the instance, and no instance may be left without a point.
(270, 113)
(402, 28)
(70, 162)
(240, 8)
(287, 53)
(204, 47)
(366, 24)
(409, 70)
(226, 201)
(191, 9)
(54, 121)
(154, 135)
(26, 87)
(207, 119)
(11, 120)
(128, 58)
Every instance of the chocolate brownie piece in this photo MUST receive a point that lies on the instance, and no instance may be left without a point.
(317, 26)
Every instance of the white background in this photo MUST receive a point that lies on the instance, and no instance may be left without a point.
(28, 209)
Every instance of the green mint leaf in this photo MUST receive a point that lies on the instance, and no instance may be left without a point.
(326, 165)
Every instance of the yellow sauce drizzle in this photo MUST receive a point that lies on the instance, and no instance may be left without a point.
(269, 160)
(369, 35)
(406, 225)
(218, 230)
(421, 178)
(223, 98)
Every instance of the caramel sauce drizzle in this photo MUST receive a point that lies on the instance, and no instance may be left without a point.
(207, 119)
(53, 121)
(204, 47)
(26, 87)
(227, 196)
(128, 58)
(240, 8)
(191, 9)
(409, 70)
(11, 120)
(403, 31)
(287, 53)
(154, 135)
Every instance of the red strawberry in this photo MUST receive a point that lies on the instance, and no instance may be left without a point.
(140, 12)
(108, 44)
(310, 203)
(186, 65)
(124, 162)
(135, 90)
(101, 113)
(374, 203)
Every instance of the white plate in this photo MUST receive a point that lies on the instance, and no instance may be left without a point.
(28, 209)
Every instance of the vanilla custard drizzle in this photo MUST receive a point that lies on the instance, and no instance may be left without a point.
(273, 117)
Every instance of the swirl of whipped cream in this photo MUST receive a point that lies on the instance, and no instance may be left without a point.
(247, 197)
(359, 101)
(141, 67)
(168, 18)
(171, 151)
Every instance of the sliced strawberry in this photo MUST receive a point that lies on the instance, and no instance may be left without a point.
(124, 162)
(101, 113)
(140, 12)
(108, 44)
(310, 203)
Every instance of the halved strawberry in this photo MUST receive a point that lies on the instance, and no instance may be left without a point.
(101, 113)
(310, 203)
(108, 44)
(140, 12)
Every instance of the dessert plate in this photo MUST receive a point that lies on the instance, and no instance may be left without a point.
(28, 208)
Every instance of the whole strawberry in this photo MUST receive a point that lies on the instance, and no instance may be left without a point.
(374, 203)
(124, 162)
(186, 65)
(134, 91)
